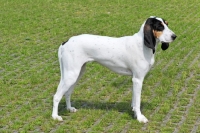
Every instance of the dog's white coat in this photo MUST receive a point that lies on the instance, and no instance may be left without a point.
(125, 55)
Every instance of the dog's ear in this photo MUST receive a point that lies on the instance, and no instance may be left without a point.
(164, 46)
(149, 39)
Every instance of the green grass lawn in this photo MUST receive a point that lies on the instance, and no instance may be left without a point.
(30, 34)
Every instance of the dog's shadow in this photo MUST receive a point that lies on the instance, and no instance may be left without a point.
(121, 107)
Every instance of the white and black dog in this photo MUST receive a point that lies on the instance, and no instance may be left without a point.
(128, 55)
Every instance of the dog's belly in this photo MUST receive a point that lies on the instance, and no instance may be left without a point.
(116, 67)
(122, 71)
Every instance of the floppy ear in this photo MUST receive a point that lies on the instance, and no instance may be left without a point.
(149, 39)
(164, 46)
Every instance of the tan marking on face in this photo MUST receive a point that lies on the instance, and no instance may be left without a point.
(157, 34)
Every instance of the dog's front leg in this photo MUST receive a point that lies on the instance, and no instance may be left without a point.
(136, 99)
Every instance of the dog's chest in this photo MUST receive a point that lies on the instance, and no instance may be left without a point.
(151, 62)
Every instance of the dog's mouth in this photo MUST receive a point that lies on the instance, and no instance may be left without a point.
(169, 42)
(165, 42)
(164, 45)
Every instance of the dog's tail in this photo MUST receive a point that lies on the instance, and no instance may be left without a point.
(60, 54)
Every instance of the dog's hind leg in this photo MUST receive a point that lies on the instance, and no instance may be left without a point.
(69, 92)
(68, 80)
(63, 87)
(56, 99)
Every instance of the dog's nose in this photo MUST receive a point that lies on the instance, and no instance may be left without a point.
(174, 36)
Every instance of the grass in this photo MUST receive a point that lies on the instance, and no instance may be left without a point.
(31, 32)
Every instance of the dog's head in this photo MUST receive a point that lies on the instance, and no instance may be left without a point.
(156, 29)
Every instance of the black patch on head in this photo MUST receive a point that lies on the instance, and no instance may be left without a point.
(157, 25)
(64, 42)
(150, 25)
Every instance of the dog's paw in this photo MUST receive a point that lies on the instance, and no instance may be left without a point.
(59, 118)
(142, 119)
(135, 115)
(72, 109)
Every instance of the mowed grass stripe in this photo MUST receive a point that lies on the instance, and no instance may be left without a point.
(171, 92)
(183, 96)
(196, 107)
(33, 105)
(20, 95)
(177, 105)
(186, 113)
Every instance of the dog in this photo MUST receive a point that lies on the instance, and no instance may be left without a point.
(128, 55)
